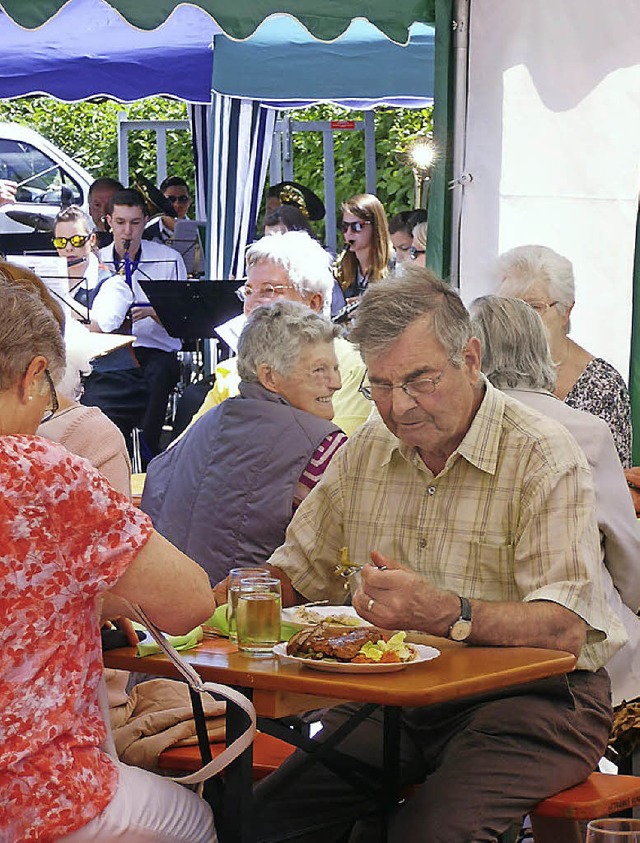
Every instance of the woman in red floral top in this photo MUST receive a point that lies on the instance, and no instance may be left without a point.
(70, 548)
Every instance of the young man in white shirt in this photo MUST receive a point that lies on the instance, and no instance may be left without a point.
(142, 259)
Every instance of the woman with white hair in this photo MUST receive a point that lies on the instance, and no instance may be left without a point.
(544, 279)
(294, 267)
(516, 359)
(226, 491)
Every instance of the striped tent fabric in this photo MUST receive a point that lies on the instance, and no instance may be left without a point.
(238, 150)
(200, 120)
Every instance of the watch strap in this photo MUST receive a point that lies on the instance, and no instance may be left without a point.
(465, 609)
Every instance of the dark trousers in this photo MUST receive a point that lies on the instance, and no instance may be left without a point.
(477, 765)
(161, 371)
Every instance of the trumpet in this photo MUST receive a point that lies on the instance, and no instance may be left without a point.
(337, 268)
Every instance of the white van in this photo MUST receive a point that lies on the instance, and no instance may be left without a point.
(48, 179)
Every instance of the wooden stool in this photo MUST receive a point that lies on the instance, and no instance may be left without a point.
(557, 817)
(268, 755)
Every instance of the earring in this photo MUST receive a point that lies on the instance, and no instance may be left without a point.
(31, 398)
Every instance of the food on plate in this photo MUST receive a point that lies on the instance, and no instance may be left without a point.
(362, 645)
(311, 617)
(345, 567)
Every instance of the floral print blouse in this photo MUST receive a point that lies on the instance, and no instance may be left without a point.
(65, 537)
(601, 391)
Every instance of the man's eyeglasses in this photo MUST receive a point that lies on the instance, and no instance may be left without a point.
(413, 253)
(356, 227)
(50, 413)
(182, 199)
(76, 241)
(382, 392)
(269, 291)
(541, 307)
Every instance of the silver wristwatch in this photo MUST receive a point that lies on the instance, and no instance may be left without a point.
(460, 630)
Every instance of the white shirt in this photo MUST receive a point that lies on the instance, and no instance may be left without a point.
(156, 263)
(113, 299)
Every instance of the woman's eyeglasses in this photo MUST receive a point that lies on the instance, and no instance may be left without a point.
(181, 199)
(541, 307)
(269, 291)
(414, 253)
(76, 241)
(356, 227)
(50, 413)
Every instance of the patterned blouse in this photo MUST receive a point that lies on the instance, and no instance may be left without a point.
(65, 537)
(601, 391)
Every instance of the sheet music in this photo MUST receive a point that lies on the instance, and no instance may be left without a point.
(52, 271)
(230, 331)
(101, 344)
(186, 240)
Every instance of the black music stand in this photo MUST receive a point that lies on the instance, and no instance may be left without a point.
(190, 310)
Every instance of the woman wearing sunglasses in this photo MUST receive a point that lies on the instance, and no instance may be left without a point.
(101, 300)
(98, 298)
(366, 234)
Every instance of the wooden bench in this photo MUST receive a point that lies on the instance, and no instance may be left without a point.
(557, 818)
(268, 755)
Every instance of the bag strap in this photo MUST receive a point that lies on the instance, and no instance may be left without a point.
(194, 681)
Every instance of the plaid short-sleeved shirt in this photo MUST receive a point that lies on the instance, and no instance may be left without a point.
(510, 518)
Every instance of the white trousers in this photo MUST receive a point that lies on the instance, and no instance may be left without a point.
(147, 807)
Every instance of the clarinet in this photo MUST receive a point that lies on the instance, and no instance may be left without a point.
(128, 274)
(344, 314)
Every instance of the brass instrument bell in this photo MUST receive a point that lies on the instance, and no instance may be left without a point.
(157, 203)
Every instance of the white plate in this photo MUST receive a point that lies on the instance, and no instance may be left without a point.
(290, 615)
(423, 654)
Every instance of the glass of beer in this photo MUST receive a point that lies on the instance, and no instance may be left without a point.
(615, 830)
(235, 575)
(259, 615)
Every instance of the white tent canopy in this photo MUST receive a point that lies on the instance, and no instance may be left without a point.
(553, 146)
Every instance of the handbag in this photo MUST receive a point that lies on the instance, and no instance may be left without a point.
(190, 675)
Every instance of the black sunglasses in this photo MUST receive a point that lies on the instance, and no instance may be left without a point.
(356, 227)
(182, 199)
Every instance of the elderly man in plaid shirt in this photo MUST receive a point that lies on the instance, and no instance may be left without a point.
(478, 516)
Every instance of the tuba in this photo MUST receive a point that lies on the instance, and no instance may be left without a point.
(157, 203)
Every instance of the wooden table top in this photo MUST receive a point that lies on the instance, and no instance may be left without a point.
(278, 688)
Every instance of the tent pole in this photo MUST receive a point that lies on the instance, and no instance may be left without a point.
(461, 46)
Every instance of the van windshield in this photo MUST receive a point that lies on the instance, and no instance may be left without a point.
(41, 179)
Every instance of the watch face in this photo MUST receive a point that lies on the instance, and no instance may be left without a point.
(460, 630)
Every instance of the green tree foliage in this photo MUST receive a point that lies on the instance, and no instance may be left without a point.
(87, 131)
(394, 129)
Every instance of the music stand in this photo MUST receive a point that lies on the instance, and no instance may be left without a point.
(190, 310)
(186, 240)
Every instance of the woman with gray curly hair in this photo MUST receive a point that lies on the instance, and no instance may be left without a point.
(225, 492)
